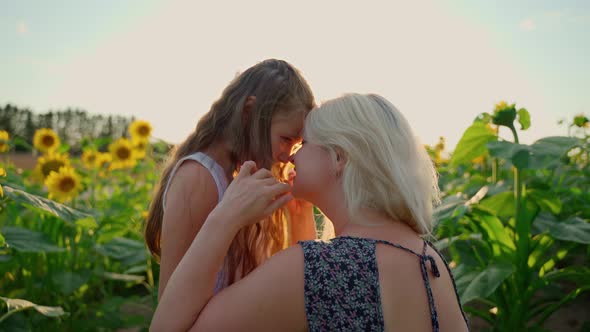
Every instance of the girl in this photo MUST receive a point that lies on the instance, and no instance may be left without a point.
(362, 166)
(258, 117)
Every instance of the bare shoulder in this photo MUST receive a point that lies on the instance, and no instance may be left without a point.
(192, 183)
(270, 298)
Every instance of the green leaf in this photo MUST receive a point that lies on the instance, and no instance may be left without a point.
(464, 274)
(573, 229)
(446, 242)
(472, 143)
(546, 200)
(546, 152)
(69, 282)
(484, 118)
(137, 269)
(501, 149)
(19, 141)
(518, 154)
(501, 204)
(88, 223)
(15, 304)
(540, 244)
(24, 240)
(63, 148)
(524, 118)
(44, 205)
(580, 275)
(129, 252)
(447, 207)
(123, 277)
(486, 282)
(2, 241)
(499, 236)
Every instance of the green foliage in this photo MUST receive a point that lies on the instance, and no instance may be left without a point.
(517, 250)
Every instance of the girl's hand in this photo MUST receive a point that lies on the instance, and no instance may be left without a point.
(252, 196)
(297, 207)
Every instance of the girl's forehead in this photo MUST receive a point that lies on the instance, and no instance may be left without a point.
(294, 124)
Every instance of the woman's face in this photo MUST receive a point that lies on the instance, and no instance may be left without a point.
(285, 135)
(315, 171)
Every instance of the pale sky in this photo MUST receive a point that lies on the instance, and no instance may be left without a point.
(440, 62)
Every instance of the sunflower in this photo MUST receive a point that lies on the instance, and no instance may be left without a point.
(123, 154)
(4, 137)
(140, 147)
(103, 159)
(501, 105)
(90, 158)
(64, 184)
(45, 140)
(140, 130)
(51, 162)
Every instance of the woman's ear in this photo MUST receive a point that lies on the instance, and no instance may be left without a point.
(340, 162)
(248, 106)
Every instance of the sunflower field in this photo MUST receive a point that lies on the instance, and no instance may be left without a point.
(513, 225)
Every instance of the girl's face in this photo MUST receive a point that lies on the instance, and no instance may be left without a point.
(285, 135)
(315, 172)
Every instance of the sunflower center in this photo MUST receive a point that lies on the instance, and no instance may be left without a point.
(91, 158)
(48, 140)
(52, 165)
(66, 184)
(143, 131)
(123, 153)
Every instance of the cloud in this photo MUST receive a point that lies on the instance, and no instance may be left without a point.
(527, 24)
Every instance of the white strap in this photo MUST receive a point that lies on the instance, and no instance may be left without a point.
(211, 165)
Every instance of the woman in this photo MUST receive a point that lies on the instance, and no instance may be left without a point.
(362, 166)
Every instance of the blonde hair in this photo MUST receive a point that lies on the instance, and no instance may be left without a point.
(386, 168)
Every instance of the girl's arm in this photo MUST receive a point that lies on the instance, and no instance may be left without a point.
(301, 221)
(279, 283)
(192, 195)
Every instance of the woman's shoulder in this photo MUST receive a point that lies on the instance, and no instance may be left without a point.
(347, 252)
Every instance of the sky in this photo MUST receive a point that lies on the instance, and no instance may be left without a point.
(440, 62)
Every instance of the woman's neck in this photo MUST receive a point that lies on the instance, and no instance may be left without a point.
(368, 224)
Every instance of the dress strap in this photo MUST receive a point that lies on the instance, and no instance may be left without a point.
(210, 164)
(424, 258)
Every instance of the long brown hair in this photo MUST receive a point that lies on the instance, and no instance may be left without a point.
(279, 89)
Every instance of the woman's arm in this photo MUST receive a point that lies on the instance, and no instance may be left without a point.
(192, 195)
